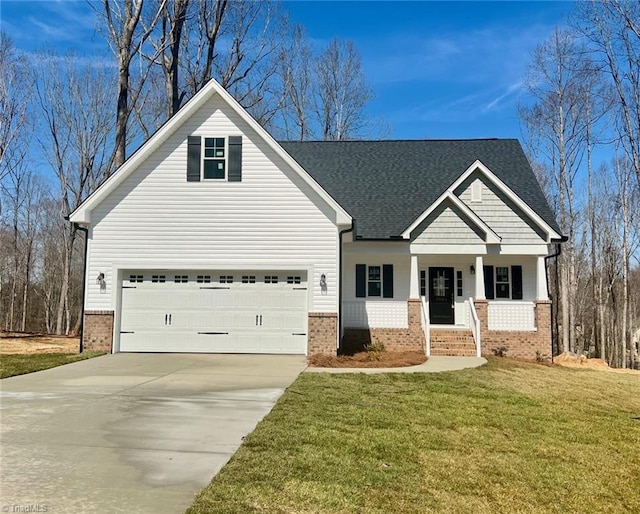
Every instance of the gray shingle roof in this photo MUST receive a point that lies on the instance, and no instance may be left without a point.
(386, 185)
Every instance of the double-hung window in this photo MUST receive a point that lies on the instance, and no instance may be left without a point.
(502, 282)
(214, 163)
(374, 281)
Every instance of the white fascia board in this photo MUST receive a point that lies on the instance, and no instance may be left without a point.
(82, 213)
(477, 165)
(540, 249)
(490, 236)
(342, 216)
(448, 249)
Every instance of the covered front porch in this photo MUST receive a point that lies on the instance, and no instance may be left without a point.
(481, 302)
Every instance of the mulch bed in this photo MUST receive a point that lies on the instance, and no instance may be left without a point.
(368, 359)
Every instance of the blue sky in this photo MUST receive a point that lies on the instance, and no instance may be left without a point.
(437, 69)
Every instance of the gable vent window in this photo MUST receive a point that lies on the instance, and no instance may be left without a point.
(158, 279)
(293, 280)
(476, 191)
(203, 279)
(214, 162)
(135, 279)
(226, 279)
(248, 279)
(271, 279)
(181, 279)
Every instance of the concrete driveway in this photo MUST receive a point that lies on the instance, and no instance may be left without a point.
(130, 432)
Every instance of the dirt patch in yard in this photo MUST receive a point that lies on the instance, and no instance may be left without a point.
(570, 360)
(17, 342)
(367, 359)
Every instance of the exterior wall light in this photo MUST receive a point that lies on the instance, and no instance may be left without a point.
(323, 281)
(100, 280)
(472, 269)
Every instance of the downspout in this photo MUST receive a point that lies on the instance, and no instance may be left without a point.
(546, 272)
(84, 279)
(340, 234)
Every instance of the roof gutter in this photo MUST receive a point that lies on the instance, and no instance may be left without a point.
(340, 281)
(84, 278)
(546, 272)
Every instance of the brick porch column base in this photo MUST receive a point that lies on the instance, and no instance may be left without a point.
(393, 339)
(98, 331)
(323, 333)
(529, 345)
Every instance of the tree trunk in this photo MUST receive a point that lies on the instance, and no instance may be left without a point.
(25, 291)
(122, 113)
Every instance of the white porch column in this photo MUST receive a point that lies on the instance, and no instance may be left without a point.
(414, 280)
(541, 279)
(479, 278)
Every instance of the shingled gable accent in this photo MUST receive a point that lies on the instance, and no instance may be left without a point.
(478, 166)
(537, 219)
(490, 236)
(82, 214)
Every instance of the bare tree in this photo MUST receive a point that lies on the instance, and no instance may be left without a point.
(627, 208)
(167, 47)
(341, 91)
(297, 80)
(16, 85)
(77, 125)
(613, 30)
(127, 36)
(555, 120)
(23, 192)
(238, 44)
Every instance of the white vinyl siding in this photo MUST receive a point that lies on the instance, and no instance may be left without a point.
(446, 226)
(269, 220)
(376, 312)
(496, 210)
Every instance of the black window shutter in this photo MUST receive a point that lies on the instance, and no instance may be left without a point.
(387, 281)
(361, 280)
(488, 283)
(193, 159)
(516, 277)
(235, 159)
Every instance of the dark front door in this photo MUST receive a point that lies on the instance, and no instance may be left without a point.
(441, 289)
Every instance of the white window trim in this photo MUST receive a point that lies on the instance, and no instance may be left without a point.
(381, 285)
(203, 158)
(509, 282)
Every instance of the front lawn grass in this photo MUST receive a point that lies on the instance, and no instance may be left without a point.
(507, 437)
(22, 363)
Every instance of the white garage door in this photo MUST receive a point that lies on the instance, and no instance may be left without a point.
(214, 311)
